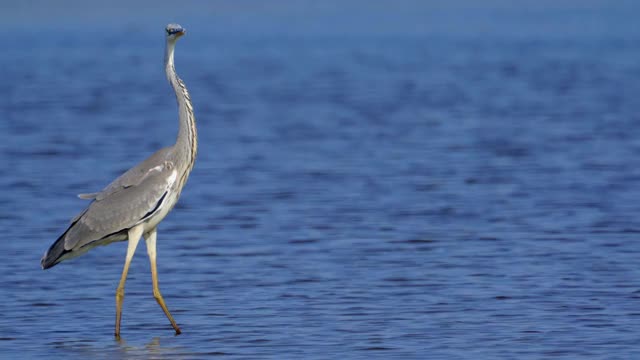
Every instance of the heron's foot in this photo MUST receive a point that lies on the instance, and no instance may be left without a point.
(177, 329)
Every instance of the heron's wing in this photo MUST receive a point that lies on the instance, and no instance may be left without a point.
(121, 208)
(132, 177)
(88, 196)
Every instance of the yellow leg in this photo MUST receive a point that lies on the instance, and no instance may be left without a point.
(150, 239)
(134, 236)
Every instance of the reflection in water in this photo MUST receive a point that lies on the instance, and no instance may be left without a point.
(152, 349)
(95, 349)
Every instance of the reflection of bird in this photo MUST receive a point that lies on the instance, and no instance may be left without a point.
(134, 203)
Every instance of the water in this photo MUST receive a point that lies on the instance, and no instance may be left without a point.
(463, 192)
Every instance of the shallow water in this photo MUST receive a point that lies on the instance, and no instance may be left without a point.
(407, 196)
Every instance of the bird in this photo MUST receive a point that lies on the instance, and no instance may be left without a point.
(132, 206)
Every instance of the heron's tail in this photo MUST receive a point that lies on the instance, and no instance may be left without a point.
(55, 253)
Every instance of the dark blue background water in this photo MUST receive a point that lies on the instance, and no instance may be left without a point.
(381, 180)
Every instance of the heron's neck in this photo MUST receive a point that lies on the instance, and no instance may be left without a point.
(187, 142)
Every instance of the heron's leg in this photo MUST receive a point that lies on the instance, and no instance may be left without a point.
(150, 239)
(134, 236)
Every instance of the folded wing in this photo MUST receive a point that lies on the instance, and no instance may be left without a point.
(121, 206)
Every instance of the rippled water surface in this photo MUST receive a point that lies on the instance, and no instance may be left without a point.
(387, 196)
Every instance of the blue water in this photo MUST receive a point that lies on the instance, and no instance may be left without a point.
(417, 189)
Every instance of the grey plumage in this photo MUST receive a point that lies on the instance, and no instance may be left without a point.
(120, 206)
(132, 205)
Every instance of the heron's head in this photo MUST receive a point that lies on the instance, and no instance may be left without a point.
(174, 31)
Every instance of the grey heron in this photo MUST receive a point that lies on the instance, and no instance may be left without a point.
(133, 204)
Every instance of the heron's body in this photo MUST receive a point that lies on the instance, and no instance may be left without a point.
(136, 202)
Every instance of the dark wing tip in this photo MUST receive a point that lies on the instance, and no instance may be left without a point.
(55, 252)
